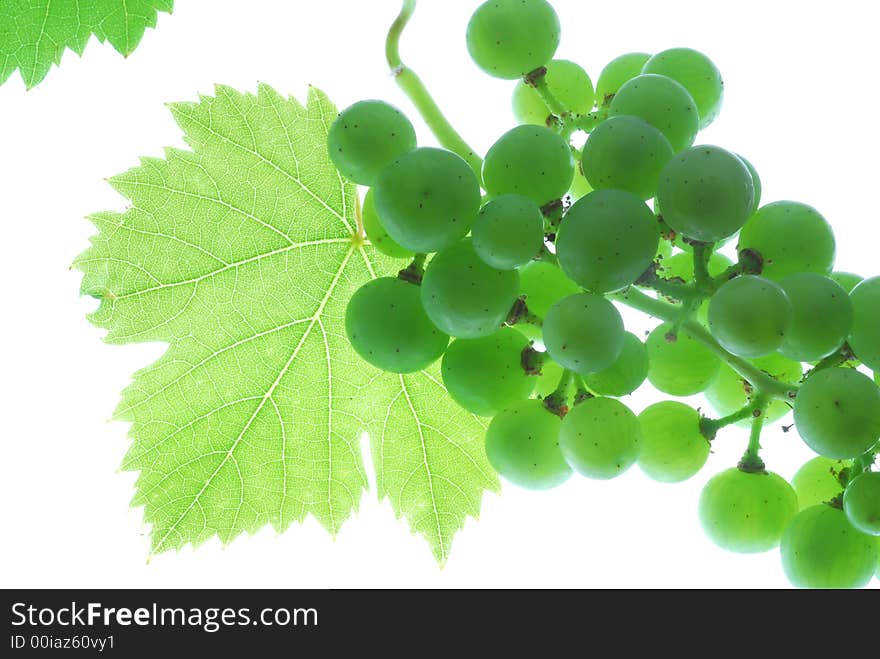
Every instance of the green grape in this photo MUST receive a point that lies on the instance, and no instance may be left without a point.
(861, 502)
(745, 512)
(387, 326)
(532, 161)
(600, 438)
(463, 296)
(568, 83)
(580, 187)
(376, 232)
(486, 375)
(543, 285)
(663, 103)
(789, 237)
(626, 153)
(509, 232)
(682, 367)
(729, 392)
(366, 137)
(607, 240)
(696, 73)
(617, 72)
(750, 316)
(756, 182)
(522, 444)
(821, 549)
(673, 448)
(681, 266)
(584, 333)
(427, 199)
(865, 338)
(837, 413)
(706, 193)
(510, 38)
(847, 280)
(818, 481)
(551, 374)
(626, 374)
(823, 316)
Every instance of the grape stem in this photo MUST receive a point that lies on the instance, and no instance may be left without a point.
(751, 461)
(557, 402)
(841, 356)
(562, 119)
(760, 381)
(415, 89)
(704, 283)
(582, 391)
(756, 407)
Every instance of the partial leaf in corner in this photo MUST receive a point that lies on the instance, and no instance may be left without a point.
(242, 254)
(35, 33)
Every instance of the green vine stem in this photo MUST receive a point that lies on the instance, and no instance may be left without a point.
(703, 281)
(759, 380)
(751, 461)
(415, 271)
(415, 89)
(557, 402)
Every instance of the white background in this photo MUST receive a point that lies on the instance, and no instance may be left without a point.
(801, 104)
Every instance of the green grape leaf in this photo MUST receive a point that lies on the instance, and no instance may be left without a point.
(35, 33)
(241, 254)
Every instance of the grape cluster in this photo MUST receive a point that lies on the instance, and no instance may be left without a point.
(516, 268)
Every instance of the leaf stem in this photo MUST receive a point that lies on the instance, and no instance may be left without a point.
(669, 313)
(418, 93)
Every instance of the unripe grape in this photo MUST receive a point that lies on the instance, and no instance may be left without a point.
(618, 71)
(600, 438)
(377, 234)
(510, 38)
(543, 285)
(673, 448)
(388, 327)
(837, 413)
(366, 137)
(626, 374)
(818, 481)
(861, 503)
(821, 549)
(865, 337)
(706, 193)
(750, 316)
(486, 375)
(584, 333)
(626, 153)
(607, 240)
(747, 512)
(847, 280)
(789, 237)
(509, 232)
(427, 199)
(532, 161)
(463, 296)
(682, 367)
(696, 73)
(522, 444)
(663, 103)
(822, 320)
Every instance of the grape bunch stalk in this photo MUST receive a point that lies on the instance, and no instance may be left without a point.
(518, 261)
